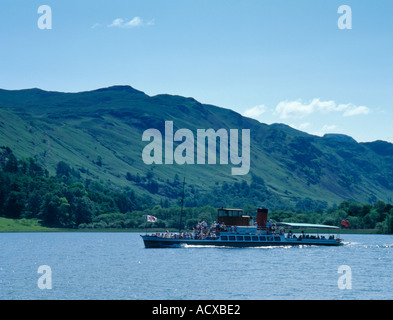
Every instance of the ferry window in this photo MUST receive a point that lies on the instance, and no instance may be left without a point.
(224, 237)
(254, 238)
(269, 238)
(240, 238)
(277, 239)
(222, 213)
(262, 238)
(247, 238)
(231, 237)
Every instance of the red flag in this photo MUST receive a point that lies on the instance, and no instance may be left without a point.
(345, 223)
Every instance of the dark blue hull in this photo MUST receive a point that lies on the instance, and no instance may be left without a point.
(158, 242)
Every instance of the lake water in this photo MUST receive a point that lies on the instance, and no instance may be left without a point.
(117, 266)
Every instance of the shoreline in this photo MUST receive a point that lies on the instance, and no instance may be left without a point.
(27, 225)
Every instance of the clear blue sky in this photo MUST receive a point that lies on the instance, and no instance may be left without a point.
(274, 60)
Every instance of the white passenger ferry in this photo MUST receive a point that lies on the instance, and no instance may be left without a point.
(234, 229)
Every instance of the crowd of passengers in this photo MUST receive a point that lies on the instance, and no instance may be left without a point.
(306, 236)
(203, 232)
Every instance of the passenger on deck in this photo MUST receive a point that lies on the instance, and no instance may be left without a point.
(269, 226)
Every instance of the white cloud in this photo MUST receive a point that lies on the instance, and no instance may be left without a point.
(116, 23)
(301, 127)
(133, 23)
(328, 128)
(298, 109)
(311, 128)
(255, 112)
(356, 111)
(96, 25)
(304, 125)
(293, 109)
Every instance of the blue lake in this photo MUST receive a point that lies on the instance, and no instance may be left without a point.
(117, 266)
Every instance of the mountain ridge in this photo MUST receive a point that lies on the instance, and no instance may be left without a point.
(104, 126)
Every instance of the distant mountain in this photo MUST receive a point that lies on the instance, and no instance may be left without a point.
(99, 133)
(339, 137)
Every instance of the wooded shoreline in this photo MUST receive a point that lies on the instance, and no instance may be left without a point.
(32, 225)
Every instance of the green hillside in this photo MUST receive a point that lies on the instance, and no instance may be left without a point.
(99, 133)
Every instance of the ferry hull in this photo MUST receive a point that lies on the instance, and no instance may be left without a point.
(157, 242)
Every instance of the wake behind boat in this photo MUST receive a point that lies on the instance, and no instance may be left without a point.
(234, 229)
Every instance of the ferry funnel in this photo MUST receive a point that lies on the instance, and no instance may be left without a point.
(261, 218)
